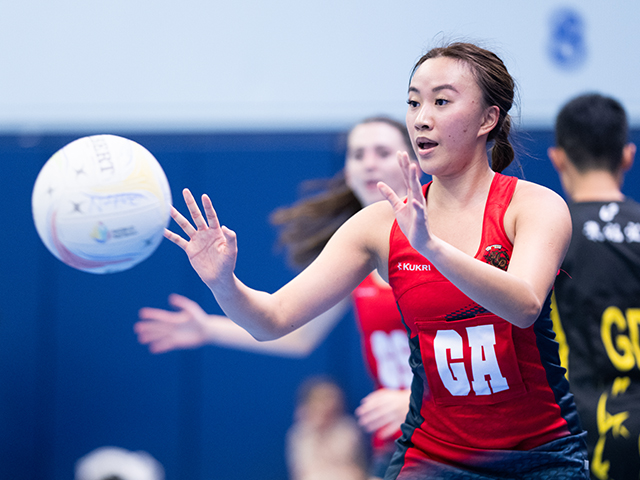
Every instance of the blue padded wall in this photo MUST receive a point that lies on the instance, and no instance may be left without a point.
(73, 376)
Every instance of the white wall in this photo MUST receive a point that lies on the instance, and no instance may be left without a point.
(260, 65)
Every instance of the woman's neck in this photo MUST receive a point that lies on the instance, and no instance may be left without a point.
(460, 191)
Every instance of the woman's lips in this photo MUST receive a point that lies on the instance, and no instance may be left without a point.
(425, 143)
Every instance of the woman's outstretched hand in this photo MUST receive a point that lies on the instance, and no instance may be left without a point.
(412, 214)
(212, 249)
(167, 330)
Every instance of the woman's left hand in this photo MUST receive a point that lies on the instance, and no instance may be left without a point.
(412, 214)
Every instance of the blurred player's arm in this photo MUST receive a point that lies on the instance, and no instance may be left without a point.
(189, 326)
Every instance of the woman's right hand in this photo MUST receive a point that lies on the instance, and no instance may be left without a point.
(211, 248)
(167, 330)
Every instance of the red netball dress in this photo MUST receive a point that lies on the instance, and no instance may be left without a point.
(486, 387)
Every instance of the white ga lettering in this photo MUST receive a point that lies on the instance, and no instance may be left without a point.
(412, 267)
(487, 377)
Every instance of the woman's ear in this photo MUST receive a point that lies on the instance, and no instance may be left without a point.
(490, 120)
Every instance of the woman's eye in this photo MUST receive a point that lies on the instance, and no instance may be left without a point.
(441, 101)
(384, 153)
(412, 103)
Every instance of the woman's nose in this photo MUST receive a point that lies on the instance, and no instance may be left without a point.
(423, 120)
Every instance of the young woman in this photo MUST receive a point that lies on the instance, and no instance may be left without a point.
(306, 227)
(471, 259)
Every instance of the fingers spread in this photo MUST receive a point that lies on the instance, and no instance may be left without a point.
(175, 238)
(414, 182)
(403, 161)
(148, 332)
(149, 313)
(194, 210)
(182, 222)
(230, 237)
(212, 217)
(389, 194)
(186, 304)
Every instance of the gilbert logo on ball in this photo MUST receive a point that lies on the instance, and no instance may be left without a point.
(101, 204)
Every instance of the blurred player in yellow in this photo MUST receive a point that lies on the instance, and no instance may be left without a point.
(597, 292)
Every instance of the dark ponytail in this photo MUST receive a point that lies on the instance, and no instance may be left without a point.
(502, 153)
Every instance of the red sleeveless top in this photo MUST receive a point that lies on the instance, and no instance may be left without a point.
(486, 384)
(384, 340)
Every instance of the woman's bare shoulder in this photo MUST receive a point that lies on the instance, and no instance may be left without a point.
(375, 219)
(536, 206)
(531, 195)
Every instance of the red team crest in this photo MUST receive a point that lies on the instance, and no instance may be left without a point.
(497, 255)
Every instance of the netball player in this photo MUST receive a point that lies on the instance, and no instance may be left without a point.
(471, 259)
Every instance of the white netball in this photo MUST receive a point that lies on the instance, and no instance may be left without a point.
(101, 204)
